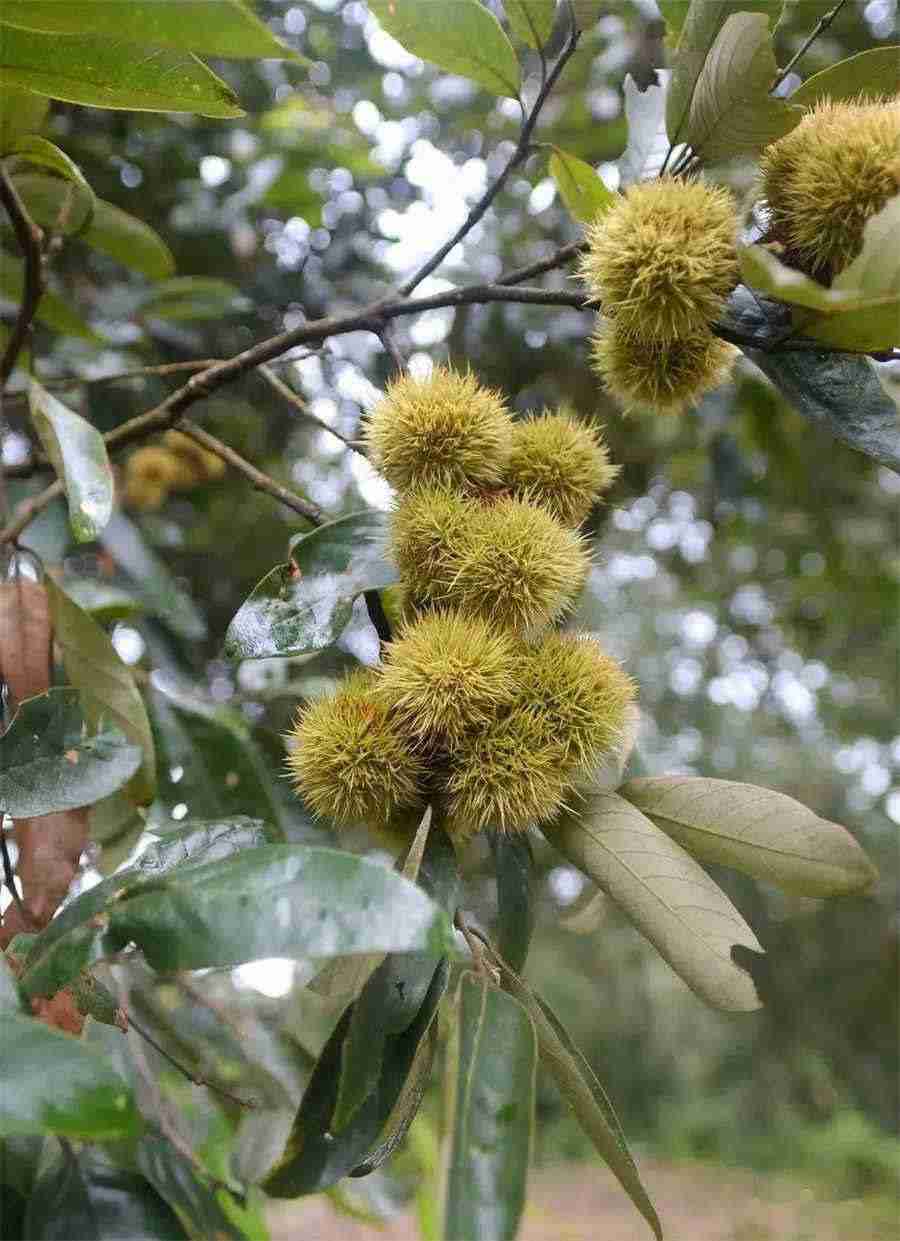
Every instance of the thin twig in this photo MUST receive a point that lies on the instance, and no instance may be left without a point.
(819, 29)
(519, 155)
(261, 481)
(194, 1078)
(30, 239)
(559, 258)
(391, 348)
(9, 879)
(297, 402)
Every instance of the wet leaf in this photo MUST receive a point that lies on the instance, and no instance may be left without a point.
(668, 897)
(78, 454)
(49, 763)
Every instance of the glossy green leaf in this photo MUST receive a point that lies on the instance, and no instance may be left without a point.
(490, 1087)
(107, 683)
(224, 28)
(580, 187)
(648, 143)
(731, 111)
(60, 964)
(871, 73)
(111, 72)
(463, 37)
(758, 831)
(513, 864)
(108, 228)
(391, 998)
(186, 298)
(74, 209)
(314, 1158)
(81, 1195)
(49, 762)
(406, 1108)
(52, 309)
(151, 580)
(304, 606)
(102, 600)
(278, 900)
(53, 1084)
(20, 113)
(699, 30)
(531, 20)
(840, 392)
(78, 454)
(668, 897)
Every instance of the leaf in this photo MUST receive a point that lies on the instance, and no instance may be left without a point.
(315, 1159)
(52, 309)
(531, 20)
(513, 863)
(25, 633)
(304, 606)
(869, 319)
(872, 73)
(762, 269)
(66, 218)
(186, 298)
(64, 960)
(52, 1084)
(151, 580)
(229, 29)
(732, 112)
(111, 72)
(196, 1202)
(78, 454)
(20, 113)
(462, 38)
(10, 1001)
(406, 1108)
(490, 1091)
(674, 13)
(648, 143)
(277, 900)
(580, 187)
(80, 1195)
(700, 28)
(102, 600)
(764, 834)
(48, 763)
(107, 684)
(669, 898)
(840, 392)
(109, 229)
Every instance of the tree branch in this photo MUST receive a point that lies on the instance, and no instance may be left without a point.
(30, 239)
(819, 29)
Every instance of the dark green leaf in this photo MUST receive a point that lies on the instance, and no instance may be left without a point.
(67, 956)
(80, 1195)
(872, 73)
(52, 309)
(490, 1091)
(53, 1084)
(668, 897)
(580, 187)
(315, 1158)
(531, 20)
(78, 454)
(75, 206)
(106, 683)
(278, 900)
(225, 28)
(198, 1204)
(116, 824)
(108, 229)
(151, 580)
(49, 763)
(111, 72)
(515, 897)
(462, 38)
(406, 1108)
(20, 1155)
(303, 606)
(185, 298)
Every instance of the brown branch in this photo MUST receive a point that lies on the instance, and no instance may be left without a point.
(819, 29)
(30, 239)
(261, 481)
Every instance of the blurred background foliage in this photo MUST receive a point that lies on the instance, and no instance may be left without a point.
(746, 564)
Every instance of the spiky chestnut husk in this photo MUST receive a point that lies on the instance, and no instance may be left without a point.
(663, 259)
(578, 695)
(516, 566)
(425, 524)
(668, 376)
(506, 777)
(448, 674)
(203, 466)
(350, 761)
(826, 178)
(561, 463)
(445, 430)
